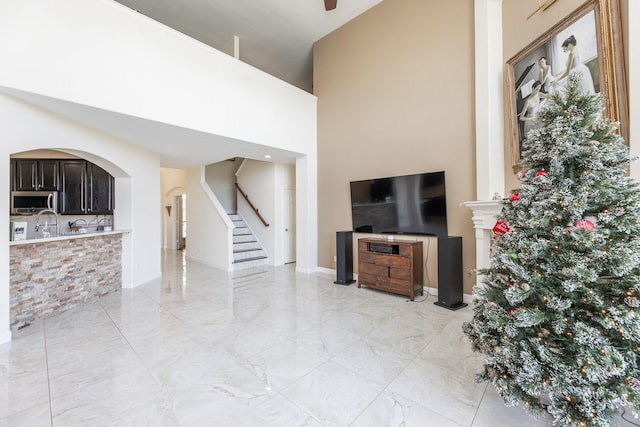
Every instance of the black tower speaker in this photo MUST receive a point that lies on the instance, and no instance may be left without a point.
(450, 273)
(344, 257)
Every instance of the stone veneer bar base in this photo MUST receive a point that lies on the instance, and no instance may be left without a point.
(48, 278)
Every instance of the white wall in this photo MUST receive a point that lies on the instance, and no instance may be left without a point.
(25, 127)
(220, 177)
(102, 54)
(209, 229)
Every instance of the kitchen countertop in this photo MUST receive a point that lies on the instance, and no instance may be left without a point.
(67, 237)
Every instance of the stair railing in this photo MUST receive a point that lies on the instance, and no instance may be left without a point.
(266, 224)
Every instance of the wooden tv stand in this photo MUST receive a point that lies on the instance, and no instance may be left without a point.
(390, 265)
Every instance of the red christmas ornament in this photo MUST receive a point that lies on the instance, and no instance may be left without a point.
(585, 224)
(541, 172)
(501, 228)
(513, 311)
(514, 197)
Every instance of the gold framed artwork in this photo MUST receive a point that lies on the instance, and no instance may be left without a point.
(588, 43)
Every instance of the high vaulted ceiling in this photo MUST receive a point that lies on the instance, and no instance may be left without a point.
(275, 36)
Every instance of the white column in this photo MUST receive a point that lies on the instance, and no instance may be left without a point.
(489, 99)
(633, 50)
(5, 292)
(307, 214)
(484, 218)
(489, 124)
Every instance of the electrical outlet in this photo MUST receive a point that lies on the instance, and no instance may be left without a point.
(335, 258)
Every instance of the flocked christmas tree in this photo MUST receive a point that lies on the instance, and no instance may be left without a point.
(557, 313)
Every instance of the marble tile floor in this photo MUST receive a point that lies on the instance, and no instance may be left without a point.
(261, 347)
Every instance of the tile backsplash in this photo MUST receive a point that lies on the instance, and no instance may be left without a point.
(91, 223)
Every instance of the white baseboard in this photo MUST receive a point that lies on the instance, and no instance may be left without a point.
(5, 337)
(332, 271)
(326, 270)
(209, 263)
(466, 298)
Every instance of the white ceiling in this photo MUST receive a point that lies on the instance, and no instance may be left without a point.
(276, 36)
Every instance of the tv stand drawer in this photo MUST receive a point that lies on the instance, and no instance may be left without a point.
(394, 268)
(382, 259)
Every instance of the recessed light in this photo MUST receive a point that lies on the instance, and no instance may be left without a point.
(267, 156)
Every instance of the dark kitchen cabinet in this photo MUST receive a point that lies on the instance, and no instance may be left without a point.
(85, 189)
(25, 174)
(73, 183)
(99, 190)
(12, 176)
(36, 175)
(48, 175)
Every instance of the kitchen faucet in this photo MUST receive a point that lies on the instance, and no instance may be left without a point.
(45, 230)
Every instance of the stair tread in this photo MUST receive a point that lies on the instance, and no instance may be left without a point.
(249, 259)
(242, 254)
(247, 250)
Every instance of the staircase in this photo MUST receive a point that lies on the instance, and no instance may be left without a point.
(247, 251)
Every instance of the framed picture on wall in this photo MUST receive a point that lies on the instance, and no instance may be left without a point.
(588, 43)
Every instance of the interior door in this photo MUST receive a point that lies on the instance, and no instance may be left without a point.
(289, 226)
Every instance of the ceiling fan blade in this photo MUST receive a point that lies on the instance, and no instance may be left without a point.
(330, 4)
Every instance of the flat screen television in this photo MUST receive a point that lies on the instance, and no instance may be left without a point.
(409, 204)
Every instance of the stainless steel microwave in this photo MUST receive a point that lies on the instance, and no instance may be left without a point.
(32, 202)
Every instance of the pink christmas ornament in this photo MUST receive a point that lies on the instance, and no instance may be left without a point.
(585, 224)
